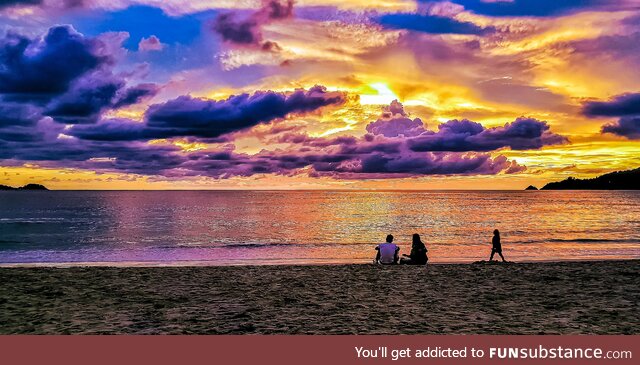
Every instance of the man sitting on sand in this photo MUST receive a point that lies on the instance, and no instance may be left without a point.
(387, 252)
(496, 246)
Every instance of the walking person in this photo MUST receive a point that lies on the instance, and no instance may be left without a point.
(496, 246)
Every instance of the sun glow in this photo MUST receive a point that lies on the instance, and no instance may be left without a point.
(384, 95)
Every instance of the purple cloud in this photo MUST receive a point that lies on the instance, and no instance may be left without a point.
(628, 127)
(395, 122)
(246, 29)
(10, 3)
(369, 163)
(85, 101)
(464, 135)
(91, 96)
(134, 95)
(186, 116)
(39, 69)
(618, 106)
(233, 30)
(65, 75)
(15, 114)
(118, 144)
(626, 106)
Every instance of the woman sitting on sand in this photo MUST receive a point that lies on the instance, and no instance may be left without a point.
(496, 246)
(418, 255)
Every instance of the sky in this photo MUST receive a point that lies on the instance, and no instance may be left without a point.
(317, 94)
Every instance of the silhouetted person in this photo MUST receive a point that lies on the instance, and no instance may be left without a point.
(418, 255)
(497, 246)
(387, 252)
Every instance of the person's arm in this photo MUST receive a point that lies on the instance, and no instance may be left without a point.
(378, 254)
(395, 256)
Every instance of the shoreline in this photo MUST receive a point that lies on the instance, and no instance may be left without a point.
(585, 297)
(275, 262)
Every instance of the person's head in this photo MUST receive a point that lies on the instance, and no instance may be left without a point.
(389, 238)
(416, 239)
(496, 232)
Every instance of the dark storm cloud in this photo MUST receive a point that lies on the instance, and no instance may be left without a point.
(186, 116)
(465, 135)
(618, 106)
(133, 157)
(14, 114)
(628, 127)
(9, 3)
(134, 95)
(115, 130)
(64, 75)
(211, 118)
(32, 130)
(85, 102)
(625, 106)
(430, 24)
(38, 69)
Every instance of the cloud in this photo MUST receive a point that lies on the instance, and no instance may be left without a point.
(465, 135)
(150, 44)
(372, 160)
(186, 116)
(628, 127)
(10, 3)
(85, 101)
(125, 157)
(430, 24)
(115, 144)
(233, 30)
(626, 106)
(246, 29)
(618, 106)
(433, 164)
(38, 69)
(65, 75)
(395, 122)
(14, 114)
(134, 95)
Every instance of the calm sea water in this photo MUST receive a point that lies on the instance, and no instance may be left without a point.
(261, 227)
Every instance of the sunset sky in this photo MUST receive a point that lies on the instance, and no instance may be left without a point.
(317, 94)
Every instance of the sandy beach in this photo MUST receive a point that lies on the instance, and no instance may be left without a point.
(521, 298)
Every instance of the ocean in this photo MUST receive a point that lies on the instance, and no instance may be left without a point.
(311, 227)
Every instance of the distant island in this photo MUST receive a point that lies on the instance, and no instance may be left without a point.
(26, 187)
(620, 180)
(531, 187)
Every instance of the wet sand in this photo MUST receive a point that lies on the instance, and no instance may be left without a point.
(525, 298)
